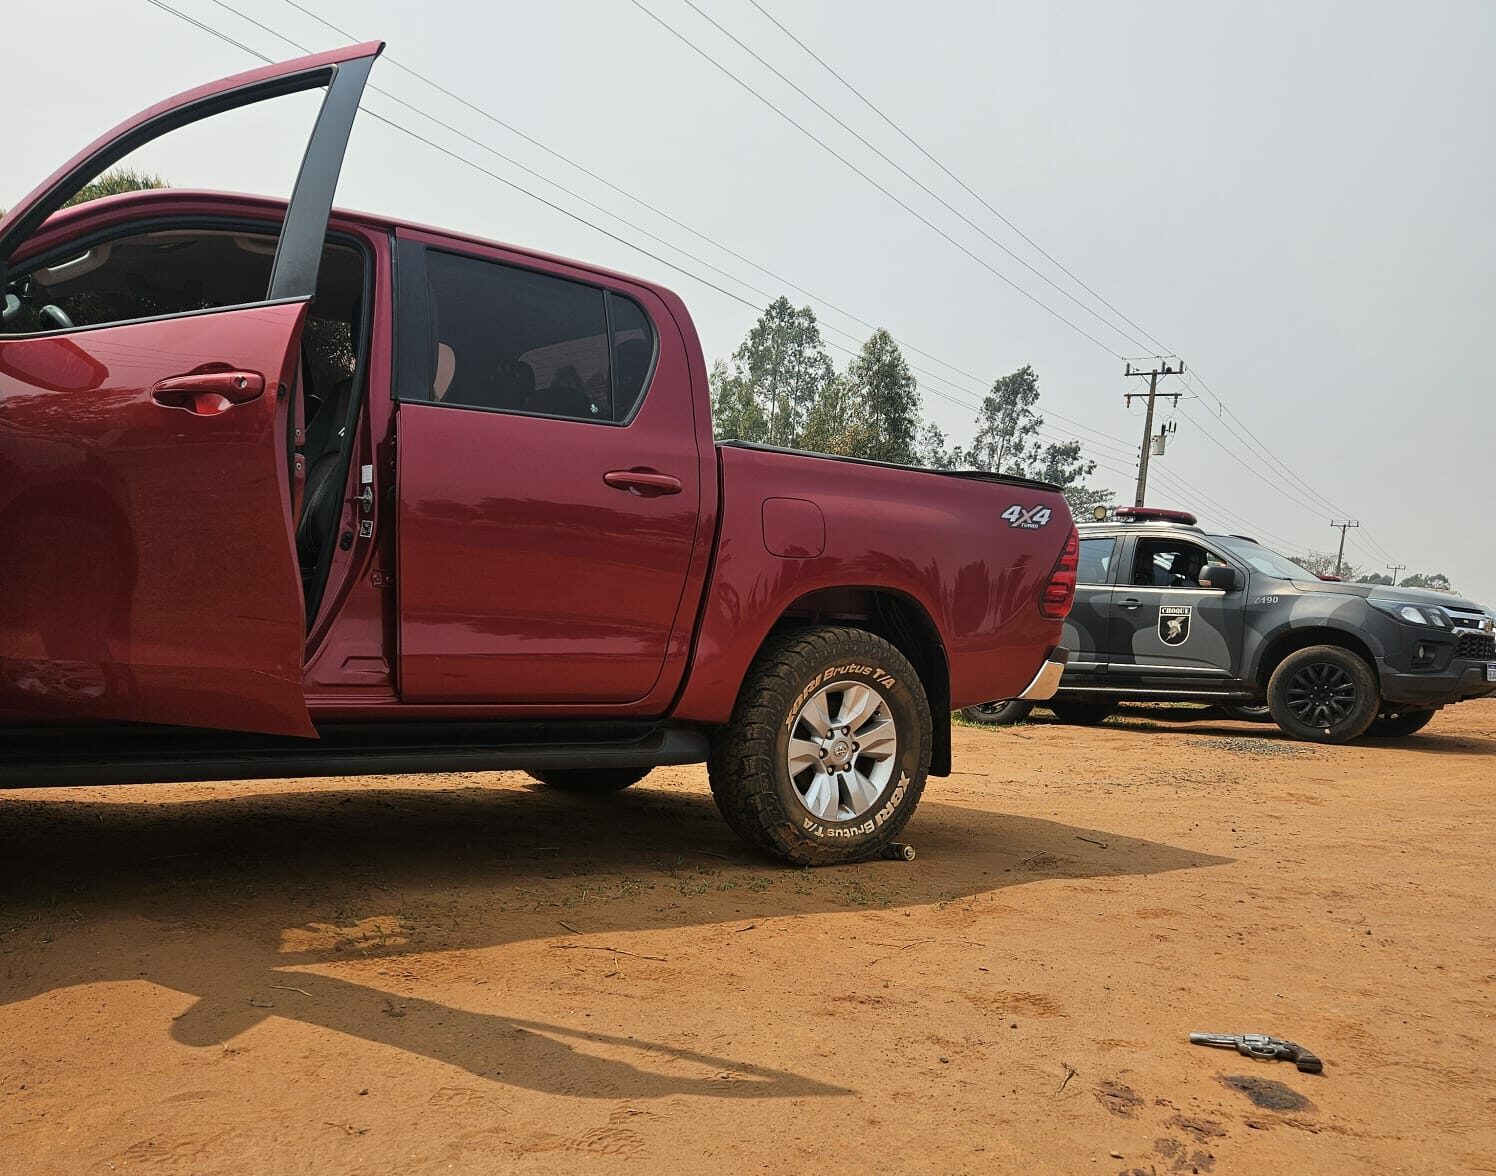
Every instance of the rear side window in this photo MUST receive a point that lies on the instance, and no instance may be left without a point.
(513, 340)
(1095, 561)
(633, 352)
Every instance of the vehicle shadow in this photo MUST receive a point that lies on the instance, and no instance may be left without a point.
(1432, 740)
(244, 899)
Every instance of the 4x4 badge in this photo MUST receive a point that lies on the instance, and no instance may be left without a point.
(1174, 623)
(1029, 520)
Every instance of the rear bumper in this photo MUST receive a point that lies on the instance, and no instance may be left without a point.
(1047, 681)
(1463, 679)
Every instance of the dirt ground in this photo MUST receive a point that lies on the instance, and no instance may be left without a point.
(461, 973)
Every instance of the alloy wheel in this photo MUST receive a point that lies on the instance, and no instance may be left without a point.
(842, 751)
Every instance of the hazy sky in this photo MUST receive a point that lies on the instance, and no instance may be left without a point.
(1295, 198)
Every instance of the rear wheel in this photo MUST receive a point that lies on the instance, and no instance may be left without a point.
(1399, 724)
(1323, 694)
(826, 754)
(998, 714)
(1082, 714)
(590, 779)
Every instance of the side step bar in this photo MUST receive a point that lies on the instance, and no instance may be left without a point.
(39, 758)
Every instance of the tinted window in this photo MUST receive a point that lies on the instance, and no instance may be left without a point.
(1095, 561)
(143, 275)
(171, 271)
(633, 352)
(1169, 563)
(511, 339)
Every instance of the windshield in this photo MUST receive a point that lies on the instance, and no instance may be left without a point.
(1269, 563)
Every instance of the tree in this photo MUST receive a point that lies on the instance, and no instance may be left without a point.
(779, 370)
(884, 400)
(1434, 581)
(1007, 442)
(931, 450)
(1322, 563)
(112, 183)
(115, 181)
(735, 413)
(834, 424)
(1376, 578)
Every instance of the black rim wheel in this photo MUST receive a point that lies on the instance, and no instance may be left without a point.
(1321, 694)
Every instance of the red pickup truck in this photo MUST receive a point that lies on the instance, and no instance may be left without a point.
(293, 491)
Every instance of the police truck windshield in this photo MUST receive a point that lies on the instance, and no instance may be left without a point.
(1269, 563)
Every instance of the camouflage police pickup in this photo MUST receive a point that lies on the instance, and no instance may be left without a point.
(1165, 611)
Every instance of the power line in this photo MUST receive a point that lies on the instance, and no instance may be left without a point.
(1255, 444)
(1106, 439)
(824, 302)
(853, 167)
(958, 180)
(691, 4)
(461, 158)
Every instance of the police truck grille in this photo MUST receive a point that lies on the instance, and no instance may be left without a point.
(1477, 645)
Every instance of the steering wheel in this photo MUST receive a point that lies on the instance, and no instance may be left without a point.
(56, 317)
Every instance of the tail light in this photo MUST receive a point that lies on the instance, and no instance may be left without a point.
(1059, 593)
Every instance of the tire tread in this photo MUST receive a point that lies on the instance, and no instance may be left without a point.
(741, 769)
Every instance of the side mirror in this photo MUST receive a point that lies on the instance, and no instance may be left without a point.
(1220, 576)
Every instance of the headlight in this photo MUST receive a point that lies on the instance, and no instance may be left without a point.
(1416, 614)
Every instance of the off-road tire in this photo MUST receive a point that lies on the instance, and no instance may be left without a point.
(749, 766)
(1354, 684)
(998, 714)
(1082, 714)
(590, 779)
(1399, 724)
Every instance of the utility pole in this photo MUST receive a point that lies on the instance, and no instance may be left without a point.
(1161, 367)
(1396, 569)
(1349, 524)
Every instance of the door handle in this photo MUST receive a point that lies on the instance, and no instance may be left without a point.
(646, 483)
(209, 393)
(1129, 603)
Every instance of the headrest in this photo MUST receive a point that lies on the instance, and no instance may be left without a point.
(446, 368)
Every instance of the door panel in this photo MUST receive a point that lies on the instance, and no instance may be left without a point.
(1086, 633)
(150, 573)
(319, 171)
(145, 489)
(1165, 629)
(526, 576)
(1087, 629)
(1192, 635)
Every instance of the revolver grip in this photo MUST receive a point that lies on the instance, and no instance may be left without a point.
(1307, 1062)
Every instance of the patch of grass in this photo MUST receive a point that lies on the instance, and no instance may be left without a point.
(855, 891)
(961, 720)
(632, 887)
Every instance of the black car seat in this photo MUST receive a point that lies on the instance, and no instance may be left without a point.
(326, 443)
(1186, 568)
(510, 385)
(323, 485)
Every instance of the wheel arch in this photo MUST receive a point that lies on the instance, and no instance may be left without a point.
(906, 625)
(1292, 640)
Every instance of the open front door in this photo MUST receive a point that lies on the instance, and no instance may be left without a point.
(147, 562)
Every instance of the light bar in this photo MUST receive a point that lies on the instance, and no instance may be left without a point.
(1143, 513)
